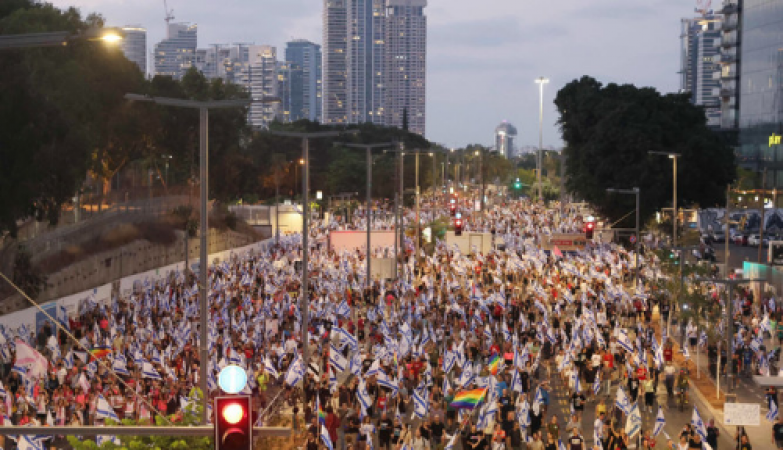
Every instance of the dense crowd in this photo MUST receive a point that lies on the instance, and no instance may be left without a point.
(388, 359)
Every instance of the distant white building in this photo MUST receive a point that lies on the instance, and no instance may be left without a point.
(701, 64)
(505, 135)
(134, 46)
(177, 53)
(260, 76)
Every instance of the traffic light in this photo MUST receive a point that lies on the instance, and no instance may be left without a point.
(233, 423)
(517, 184)
(458, 227)
(453, 209)
(589, 228)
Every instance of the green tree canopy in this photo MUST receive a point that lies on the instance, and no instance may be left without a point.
(609, 131)
(58, 107)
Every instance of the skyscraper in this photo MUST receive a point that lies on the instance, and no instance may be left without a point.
(374, 62)
(177, 53)
(260, 78)
(761, 90)
(730, 64)
(365, 57)
(303, 95)
(701, 40)
(134, 46)
(406, 64)
(505, 135)
(335, 77)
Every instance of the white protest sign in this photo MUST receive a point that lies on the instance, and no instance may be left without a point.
(742, 414)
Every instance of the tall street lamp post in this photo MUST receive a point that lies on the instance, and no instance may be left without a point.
(674, 157)
(203, 107)
(305, 302)
(368, 148)
(541, 81)
(634, 191)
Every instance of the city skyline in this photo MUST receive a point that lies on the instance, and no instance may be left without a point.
(471, 68)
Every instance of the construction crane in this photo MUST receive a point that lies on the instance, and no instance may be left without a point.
(169, 13)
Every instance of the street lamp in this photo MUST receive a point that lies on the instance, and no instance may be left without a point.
(304, 160)
(540, 81)
(368, 148)
(634, 191)
(60, 38)
(203, 107)
(167, 158)
(674, 156)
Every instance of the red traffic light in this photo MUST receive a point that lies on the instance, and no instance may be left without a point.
(233, 423)
(590, 225)
(233, 413)
(458, 223)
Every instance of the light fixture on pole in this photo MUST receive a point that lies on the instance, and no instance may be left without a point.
(540, 81)
(203, 107)
(674, 157)
(60, 38)
(634, 191)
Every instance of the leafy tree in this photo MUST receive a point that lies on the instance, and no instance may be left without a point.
(609, 131)
(58, 106)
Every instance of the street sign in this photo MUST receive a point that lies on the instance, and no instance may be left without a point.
(633, 239)
(232, 379)
(741, 414)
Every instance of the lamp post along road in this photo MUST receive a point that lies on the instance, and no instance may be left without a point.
(369, 148)
(203, 107)
(305, 300)
(674, 157)
(541, 81)
(635, 191)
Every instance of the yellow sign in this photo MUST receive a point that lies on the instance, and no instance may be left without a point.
(774, 140)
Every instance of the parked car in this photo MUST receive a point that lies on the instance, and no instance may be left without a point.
(753, 240)
(718, 236)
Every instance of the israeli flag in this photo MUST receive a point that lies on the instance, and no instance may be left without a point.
(703, 338)
(337, 360)
(698, 424)
(325, 438)
(420, 404)
(363, 396)
(597, 384)
(622, 401)
(634, 422)
(104, 411)
(772, 415)
(100, 440)
(625, 341)
(660, 422)
(270, 368)
(147, 371)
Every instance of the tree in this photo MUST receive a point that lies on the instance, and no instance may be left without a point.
(609, 132)
(56, 111)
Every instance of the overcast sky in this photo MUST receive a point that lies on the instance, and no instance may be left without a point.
(483, 55)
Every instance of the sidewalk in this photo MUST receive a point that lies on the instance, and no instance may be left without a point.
(704, 387)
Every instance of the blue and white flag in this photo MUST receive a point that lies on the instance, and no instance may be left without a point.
(420, 404)
(625, 341)
(362, 395)
(634, 422)
(660, 422)
(698, 424)
(597, 384)
(686, 353)
(100, 440)
(337, 359)
(622, 401)
(325, 437)
(772, 415)
(703, 338)
(104, 411)
(147, 371)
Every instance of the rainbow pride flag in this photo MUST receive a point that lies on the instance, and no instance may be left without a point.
(99, 353)
(494, 365)
(468, 399)
(321, 414)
